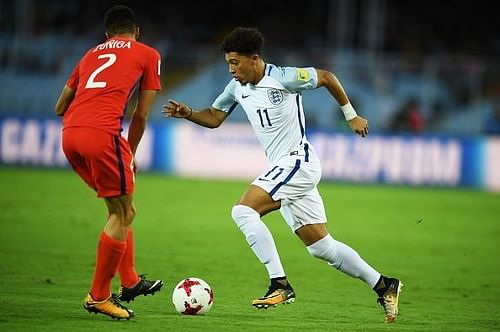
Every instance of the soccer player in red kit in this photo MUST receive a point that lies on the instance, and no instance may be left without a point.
(93, 104)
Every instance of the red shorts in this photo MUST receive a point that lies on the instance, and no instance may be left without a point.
(102, 160)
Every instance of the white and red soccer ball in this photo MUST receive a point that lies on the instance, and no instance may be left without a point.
(192, 296)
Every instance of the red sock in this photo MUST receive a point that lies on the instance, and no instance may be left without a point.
(109, 254)
(128, 275)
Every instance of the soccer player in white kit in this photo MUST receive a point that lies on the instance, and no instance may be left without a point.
(271, 96)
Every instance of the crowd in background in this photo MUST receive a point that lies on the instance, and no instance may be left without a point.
(453, 50)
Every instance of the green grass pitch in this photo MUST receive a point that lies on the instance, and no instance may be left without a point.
(444, 244)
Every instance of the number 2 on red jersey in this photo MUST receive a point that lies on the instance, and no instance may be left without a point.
(91, 83)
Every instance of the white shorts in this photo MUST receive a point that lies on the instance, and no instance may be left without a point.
(293, 180)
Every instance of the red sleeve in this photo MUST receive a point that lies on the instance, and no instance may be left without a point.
(151, 78)
(72, 81)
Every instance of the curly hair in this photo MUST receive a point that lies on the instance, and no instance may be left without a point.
(246, 41)
(119, 19)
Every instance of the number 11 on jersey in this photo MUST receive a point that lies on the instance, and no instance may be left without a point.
(263, 113)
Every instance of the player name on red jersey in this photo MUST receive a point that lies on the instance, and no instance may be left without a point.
(113, 44)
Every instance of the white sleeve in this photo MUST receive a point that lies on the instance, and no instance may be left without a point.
(226, 100)
(295, 79)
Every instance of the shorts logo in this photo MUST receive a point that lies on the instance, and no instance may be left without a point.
(302, 74)
(275, 96)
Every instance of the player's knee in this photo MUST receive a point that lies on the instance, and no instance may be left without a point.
(243, 214)
(124, 214)
(323, 248)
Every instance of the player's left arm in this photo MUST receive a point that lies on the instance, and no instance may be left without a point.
(140, 117)
(327, 79)
(64, 100)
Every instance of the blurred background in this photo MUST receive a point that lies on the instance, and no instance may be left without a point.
(422, 72)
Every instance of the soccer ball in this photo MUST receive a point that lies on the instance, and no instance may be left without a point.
(192, 296)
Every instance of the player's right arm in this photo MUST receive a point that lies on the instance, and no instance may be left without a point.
(211, 117)
(208, 117)
(64, 100)
(68, 92)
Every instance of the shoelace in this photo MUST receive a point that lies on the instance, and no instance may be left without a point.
(387, 302)
(115, 301)
(275, 287)
(270, 290)
(141, 277)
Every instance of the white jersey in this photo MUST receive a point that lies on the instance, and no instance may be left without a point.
(274, 107)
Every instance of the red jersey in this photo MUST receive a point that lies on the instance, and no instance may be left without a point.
(105, 79)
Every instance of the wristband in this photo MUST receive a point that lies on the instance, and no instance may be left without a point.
(349, 112)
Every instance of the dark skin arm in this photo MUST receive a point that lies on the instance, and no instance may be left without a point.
(64, 100)
(207, 117)
(327, 79)
(213, 118)
(140, 117)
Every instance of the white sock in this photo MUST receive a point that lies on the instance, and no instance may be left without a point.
(259, 238)
(344, 258)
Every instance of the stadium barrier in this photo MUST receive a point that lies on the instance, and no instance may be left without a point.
(233, 152)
